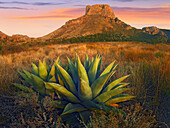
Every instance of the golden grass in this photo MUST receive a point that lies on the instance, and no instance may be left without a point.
(148, 65)
(123, 52)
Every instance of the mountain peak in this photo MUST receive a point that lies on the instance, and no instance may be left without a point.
(101, 10)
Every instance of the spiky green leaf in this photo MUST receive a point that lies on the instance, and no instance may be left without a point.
(70, 108)
(26, 78)
(35, 69)
(42, 71)
(93, 69)
(85, 89)
(108, 69)
(20, 86)
(114, 83)
(99, 67)
(45, 64)
(86, 63)
(68, 79)
(99, 83)
(59, 88)
(109, 94)
(116, 100)
(38, 84)
(73, 71)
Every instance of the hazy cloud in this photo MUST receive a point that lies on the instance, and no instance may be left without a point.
(165, 5)
(18, 8)
(34, 3)
(118, 0)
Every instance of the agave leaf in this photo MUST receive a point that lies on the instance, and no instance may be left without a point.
(68, 79)
(73, 71)
(114, 83)
(35, 69)
(119, 99)
(57, 61)
(53, 79)
(108, 69)
(70, 108)
(60, 80)
(42, 71)
(49, 89)
(59, 103)
(99, 67)
(26, 78)
(99, 83)
(91, 105)
(20, 86)
(93, 70)
(86, 63)
(59, 88)
(109, 94)
(52, 71)
(29, 75)
(45, 64)
(38, 84)
(120, 85)
(84, 90)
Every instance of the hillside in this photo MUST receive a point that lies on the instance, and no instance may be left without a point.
(14, 38)
(99, 21)
(167, 32)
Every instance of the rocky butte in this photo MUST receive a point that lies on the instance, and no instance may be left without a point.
(102, 10)
(97, 19)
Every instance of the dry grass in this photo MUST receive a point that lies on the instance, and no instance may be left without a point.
(148, 65)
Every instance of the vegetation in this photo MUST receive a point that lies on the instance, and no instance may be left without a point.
(148, 65)
(136, 37)
(121, 34)
(80, 90)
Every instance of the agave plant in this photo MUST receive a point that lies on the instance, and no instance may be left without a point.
(86, 88)
(80, 89)
(39, 75)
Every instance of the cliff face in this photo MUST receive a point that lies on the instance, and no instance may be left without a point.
(100, 10)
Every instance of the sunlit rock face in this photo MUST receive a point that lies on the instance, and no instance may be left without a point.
(101, 10)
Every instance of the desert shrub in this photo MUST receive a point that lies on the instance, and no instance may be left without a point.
(136, 117)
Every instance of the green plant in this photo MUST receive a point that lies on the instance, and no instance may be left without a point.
(85, 88)
(35, 80)
(81, 89)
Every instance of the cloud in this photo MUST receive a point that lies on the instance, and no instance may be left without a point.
(34, 3)
(127, 14)
(119, 0)
(165, 5)
(143, 15)
(18, 8)
(56, 14)
(42, 4)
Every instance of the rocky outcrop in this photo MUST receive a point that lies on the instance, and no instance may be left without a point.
(101, 10)
(153, 31)
(20, 38)
(14, 38)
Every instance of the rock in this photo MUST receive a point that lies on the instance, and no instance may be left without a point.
(102, 10)
(20, 38)
(153, 31)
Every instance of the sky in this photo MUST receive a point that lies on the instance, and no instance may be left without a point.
(36, 18)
